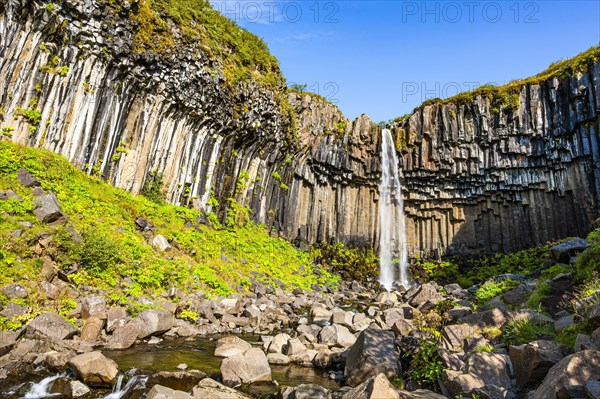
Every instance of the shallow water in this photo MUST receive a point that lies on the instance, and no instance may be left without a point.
(198, 354)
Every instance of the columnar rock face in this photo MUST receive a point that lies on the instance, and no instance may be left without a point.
(475, 179)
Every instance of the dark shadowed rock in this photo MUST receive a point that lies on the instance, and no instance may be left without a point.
(563, 252)
(532, 361)
(576, 369)
(373, 353)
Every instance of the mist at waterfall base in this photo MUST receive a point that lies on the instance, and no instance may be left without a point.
(393, 254)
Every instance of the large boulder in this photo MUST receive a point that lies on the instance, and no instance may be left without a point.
(426, 293)
(231, 346)
(124, 336)
(454, 335)
(563, 252)
(373, 353)
(160, 392)
(154, 322)
(47, 209)
(576, 369)
(490, 368)
(94, 369)
(92, 329)
(490, 318)
(532, 361)
(420, 394)
(50, 325)
(377, 387)
(250, 366)
(336, 335)
(8, 339)
(211, 389)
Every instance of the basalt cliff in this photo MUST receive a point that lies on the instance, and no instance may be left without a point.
(481, 173)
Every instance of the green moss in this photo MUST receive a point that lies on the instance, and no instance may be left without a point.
(518, 332)
(492, 289)
(112, 251)
(506, 98)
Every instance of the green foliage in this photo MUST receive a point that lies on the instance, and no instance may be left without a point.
(350, 263)
(441, 272)
(276, 176)
(237, 215)
(523, 331)
(535, 299)
(163, 26)
(188, 315)
(50, 6)
(426, 365)
(484, 348)
(153, 188)
(113, 255)
(62, 71)
(588, 261)
(493, 288)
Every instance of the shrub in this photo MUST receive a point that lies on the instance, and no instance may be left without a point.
(153, 188)
(95, 254)
(350, 263)
(426, 365)
(523, 331)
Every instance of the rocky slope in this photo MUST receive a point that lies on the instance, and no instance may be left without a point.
(476, 179)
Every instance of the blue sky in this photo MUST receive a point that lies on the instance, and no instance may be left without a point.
(384, 58)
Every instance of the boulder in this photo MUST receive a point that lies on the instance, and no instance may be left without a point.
(27, 179)
(278, 342)
(336, 335)
(211, 389)
(124, 336)
(50, 325)
(592, 389)
(113, 316)
(377, 387)
(426, 293)
(94, 369)
(92, 329)
(320, 315)
(160, 392)
(459, 384)
(491, 318)
(373, 353)
(8, 339)
(231, 346)
(342, 317)
(14, 291)
(575, 369)
(532, 361)
(563, 252)
(154, 322)
(305, 391)
(93, 306)
(454, 336)
(250, 366)
(490, 368)
(9, 194)
(563, 322)
(160, 243)
(296, 350)
(47, 209)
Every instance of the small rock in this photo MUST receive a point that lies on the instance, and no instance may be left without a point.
(93, 306)
(79, 389)
(337, 335)
(27, 179)
(160, 243)
(14, 291)
(305, 391)
(47, 209)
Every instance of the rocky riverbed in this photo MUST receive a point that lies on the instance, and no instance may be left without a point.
(350, 342)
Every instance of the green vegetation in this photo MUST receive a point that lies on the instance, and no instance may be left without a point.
(494, 288)
(153, 188)
(522, 331)
(506, 97)
(535, 299)
(350, 263)
(164, 26)
(426, 365)
(302, 89)
(104, 249)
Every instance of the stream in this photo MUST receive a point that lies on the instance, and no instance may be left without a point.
(142, 360)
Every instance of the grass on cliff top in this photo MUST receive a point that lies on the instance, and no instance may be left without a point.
(108, 251)
(163, 26)
(506, 97)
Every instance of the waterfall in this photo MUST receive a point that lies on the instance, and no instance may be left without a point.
(393, 255)
(42, 388)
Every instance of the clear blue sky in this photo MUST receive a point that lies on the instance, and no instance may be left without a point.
(384, 58)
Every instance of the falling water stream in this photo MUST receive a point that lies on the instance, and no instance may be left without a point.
(393, 255)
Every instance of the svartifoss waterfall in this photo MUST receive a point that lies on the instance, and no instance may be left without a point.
(393, 255)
